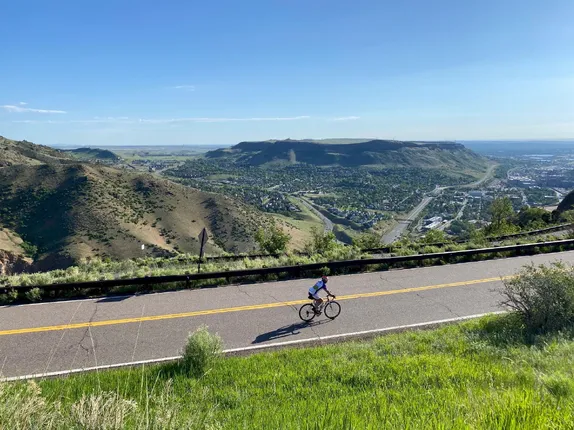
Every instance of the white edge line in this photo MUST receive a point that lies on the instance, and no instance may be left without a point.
(319, 340)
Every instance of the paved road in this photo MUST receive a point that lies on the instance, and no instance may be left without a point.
(486, 177)
(61, 336)
(326, 221)
(399, 229)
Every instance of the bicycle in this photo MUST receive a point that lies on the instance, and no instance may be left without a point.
(331, 308)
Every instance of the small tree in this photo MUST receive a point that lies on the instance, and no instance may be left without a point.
(435, 236)
(321, 242)
(502, 217)
(272, 241)
(533, 218)
(367, 241)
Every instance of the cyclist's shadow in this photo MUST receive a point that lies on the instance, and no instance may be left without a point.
(288, 330)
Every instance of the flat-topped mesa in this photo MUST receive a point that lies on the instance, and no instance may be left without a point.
(377, 144)
(370, 152)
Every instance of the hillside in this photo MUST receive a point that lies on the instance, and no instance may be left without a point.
(93, 154)
(567, 203)
(70, 212)
(80, 211)
(14, 152)
(375, 152)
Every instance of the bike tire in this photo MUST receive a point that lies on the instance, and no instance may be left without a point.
(307, 312)
(332, 310)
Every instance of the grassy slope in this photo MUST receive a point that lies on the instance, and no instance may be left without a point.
(92, 154)
(88, 210)
(477, 375)
(22, 152)
(10, 241)
(567, 203)
(299, 225)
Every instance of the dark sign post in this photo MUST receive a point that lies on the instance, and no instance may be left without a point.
(202, 241)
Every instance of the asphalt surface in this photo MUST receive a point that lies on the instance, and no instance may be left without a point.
(61, 336)
(399, 229)
(327, 223)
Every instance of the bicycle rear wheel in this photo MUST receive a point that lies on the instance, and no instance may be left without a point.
(307, 312)
(332, 310)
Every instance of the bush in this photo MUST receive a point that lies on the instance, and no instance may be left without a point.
(434, 236)
(34, 295)
(367, 241)
(273, 241)
(321, 242)
(9, 297)
(201, 351)
(543, 296)
(29, 249)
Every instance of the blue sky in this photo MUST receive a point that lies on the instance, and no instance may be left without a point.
(188, 72)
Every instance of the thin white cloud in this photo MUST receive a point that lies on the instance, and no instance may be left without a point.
(127, 120)
(185, 87)
(194, 119)
(110, 118)
(20, 109)
(346, 118)
(22, 103)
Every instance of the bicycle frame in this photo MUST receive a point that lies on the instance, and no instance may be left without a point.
(324, 302)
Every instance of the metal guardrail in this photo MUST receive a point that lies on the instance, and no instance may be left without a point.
(293, 270)
(388, 249)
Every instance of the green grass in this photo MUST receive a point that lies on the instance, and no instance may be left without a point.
(304, 222)
(477, 375)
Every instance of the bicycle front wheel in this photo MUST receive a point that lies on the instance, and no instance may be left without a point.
(307, 312)
(332, 310)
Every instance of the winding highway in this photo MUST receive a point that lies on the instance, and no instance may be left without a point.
(327, 223)
(402, 225)
(59, 337)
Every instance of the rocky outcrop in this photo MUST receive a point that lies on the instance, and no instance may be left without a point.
(11, 264)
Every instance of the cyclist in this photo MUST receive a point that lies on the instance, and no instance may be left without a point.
(320, 285)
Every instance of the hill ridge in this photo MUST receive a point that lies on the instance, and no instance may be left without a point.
(66, 210)
(370, 152)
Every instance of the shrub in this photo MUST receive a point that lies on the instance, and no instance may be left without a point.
(435, 236)
(9, 297)
(367, 241)
(431, 250)
(321, 242)
(201, 351)
(543, 296)
(273, 241)
(34, 295)
(29, 249)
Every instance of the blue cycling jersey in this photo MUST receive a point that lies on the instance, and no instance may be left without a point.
(319, 286)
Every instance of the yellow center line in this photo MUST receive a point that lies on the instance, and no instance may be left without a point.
(239, 308)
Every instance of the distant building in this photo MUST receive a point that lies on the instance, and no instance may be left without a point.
(476, 194)
(432, 225)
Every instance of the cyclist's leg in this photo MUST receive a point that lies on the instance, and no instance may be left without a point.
(316, 300)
